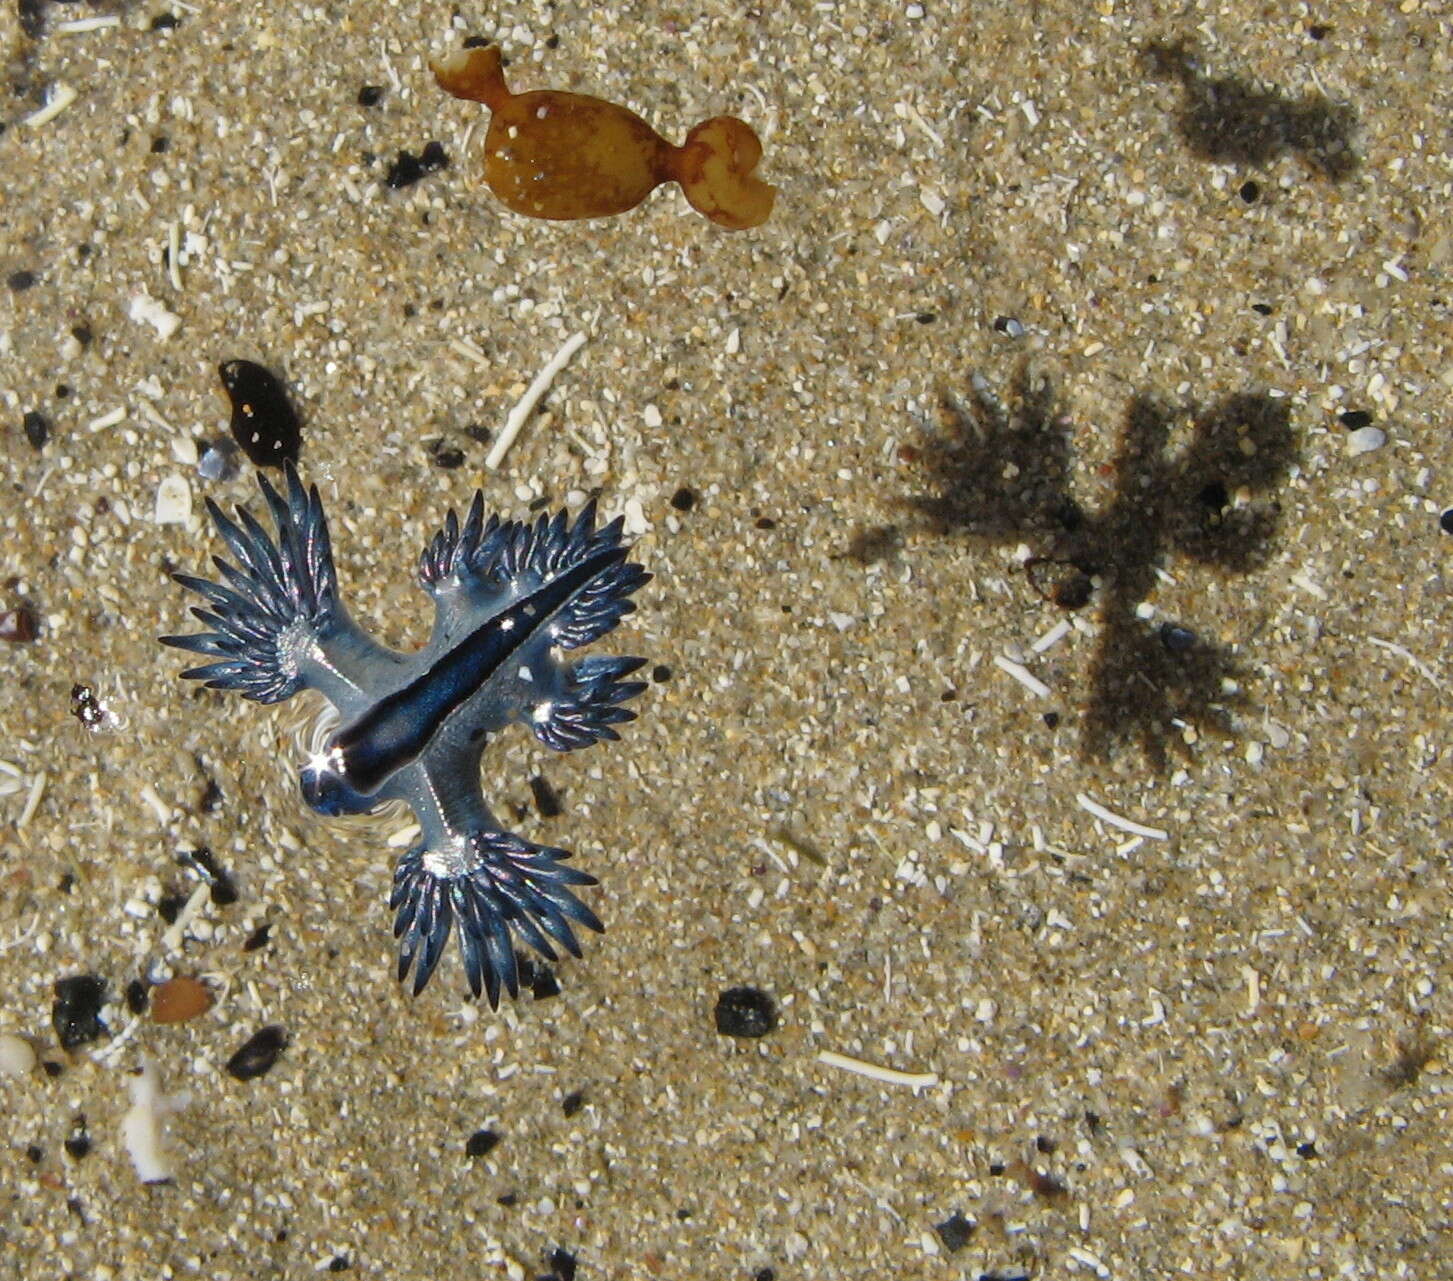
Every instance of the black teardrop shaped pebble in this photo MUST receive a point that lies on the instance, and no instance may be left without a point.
(258, 1053)
(264, 422)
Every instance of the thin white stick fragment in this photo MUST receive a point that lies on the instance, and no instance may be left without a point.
(1023, 675)
(1052, 637)
(1408, 656)
(61, 97)
(32, 802)
(78, 25)
(172, 939)
(469, 351)
(531, 398)
(174, 255)
(117, 415)
(1115, 820)
(888, 1076)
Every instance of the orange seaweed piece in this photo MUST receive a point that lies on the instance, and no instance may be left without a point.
(558, 155)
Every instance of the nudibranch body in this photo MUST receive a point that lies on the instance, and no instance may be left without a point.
(509, 598)
(559, 155)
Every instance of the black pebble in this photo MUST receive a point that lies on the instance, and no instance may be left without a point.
(547, 799)
(171, 906)
(539, 978)
(164, 22)
(1261, 308)
(684, 499)
(159, 144)
(76, 1014)
(1177, 639)
(20, 281)
(446, 457)
(572, 1102)
(562, 1265)
(37, 429)
(136, 996)
(78, 1145)
(481, 1143)
(1445, 521)
(745, 1011)
(224, 892)
(258, 938)
(764, 1274)
(370, 96)
(408, 168)
(1250, 192)
(1352, 419)
(954, 1232)
(338, 1263)
(264, 422)
(258, 1053)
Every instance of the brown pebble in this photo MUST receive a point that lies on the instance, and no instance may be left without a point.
(17, 625)
(179, 999)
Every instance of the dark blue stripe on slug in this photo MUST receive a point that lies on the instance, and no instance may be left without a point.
(397, 729)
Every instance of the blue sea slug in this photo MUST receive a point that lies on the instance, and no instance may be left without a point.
(510, 598)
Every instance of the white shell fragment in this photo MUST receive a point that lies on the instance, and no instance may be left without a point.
(146, 308)
(143, 1127)
(173, 500)
(1364, 440)
(17, 1055)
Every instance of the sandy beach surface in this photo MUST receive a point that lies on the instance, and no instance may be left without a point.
(1048, 717)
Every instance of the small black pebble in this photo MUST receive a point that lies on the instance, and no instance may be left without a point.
(745, 1011)
(764, 1274)
(35, 1153)
(370, 95)
(76, 1013)
(78, 1146)
(83, 334)
(258, 938)
(1177, 639)
(547, 799)
(481, 1142)
(159, 144)
(766, 522)
(661, 673)
(1307, 1150)
(926, 317)
(338, 1263)
(572, 1102)
(476, 42)
(201, 861)
(164, 22)
(20, 281)
(1445, 521)
(954, 1232)
(541, 981)
(171, 906)
(562, 1265)
(37, 429)
(1043, 1143)
(684, 499)
(507, 1199)
(18, 626)
(447, 457)
(1261, 308)
(258, 1053)
(1052, 719)
(52, 1068)
(1215, 496)
(407, 169)
(1249, 192)
(1319, 31)
(996, 1168)
(136, 996)
(264, 422)
(1352, 419)
(62, 391)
